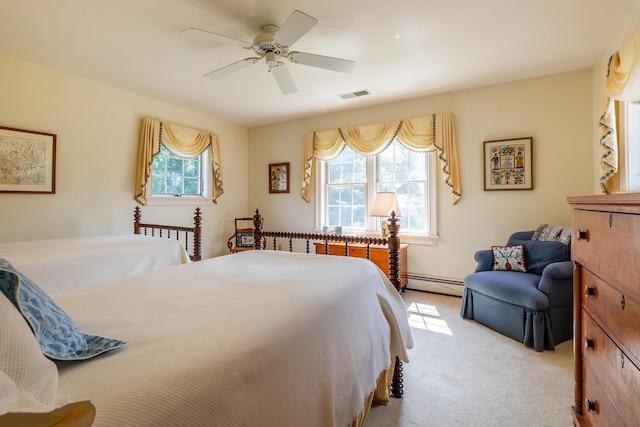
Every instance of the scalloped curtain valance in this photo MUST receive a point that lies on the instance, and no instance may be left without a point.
(622, 83)
(433, 132)
(181, 141)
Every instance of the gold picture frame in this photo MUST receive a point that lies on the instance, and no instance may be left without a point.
(279, 177)
(508, 164)
(27, 161)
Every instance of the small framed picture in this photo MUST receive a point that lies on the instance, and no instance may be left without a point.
(244, 239)
(279, 178)
(508, 164)
(27, 161)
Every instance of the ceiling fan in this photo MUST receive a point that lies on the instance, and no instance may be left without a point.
(273, 45)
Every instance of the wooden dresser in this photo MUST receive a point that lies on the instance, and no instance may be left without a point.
(605, 247)
(379, 255)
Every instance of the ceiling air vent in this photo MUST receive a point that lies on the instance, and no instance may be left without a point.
(354, 94)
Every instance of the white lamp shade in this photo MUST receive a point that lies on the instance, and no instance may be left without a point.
(384, 204)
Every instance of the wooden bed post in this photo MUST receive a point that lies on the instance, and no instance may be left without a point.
(257, 231)
(136, 220)
(394, 254)
(197, 236)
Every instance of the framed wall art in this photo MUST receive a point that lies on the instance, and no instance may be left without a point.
(244, 239)
(27, 161)
(508, 164)
(279, 178)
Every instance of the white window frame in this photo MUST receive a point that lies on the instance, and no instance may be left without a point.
(373, 223)
(185, 200)
(628, 135)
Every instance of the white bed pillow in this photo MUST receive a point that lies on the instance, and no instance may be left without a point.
(56, 333)
(28, 380)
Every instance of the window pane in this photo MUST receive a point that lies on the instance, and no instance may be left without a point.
(334, 172)
(334, 215)
(345, 217)
(346, 190)
(190, 187)
(404, 173)
(173, 175)
(397, 169)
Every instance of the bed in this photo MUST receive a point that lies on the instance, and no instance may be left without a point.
(259, 338)
(60, 264)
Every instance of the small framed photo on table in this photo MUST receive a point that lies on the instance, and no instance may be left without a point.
(244, 239)
(279, 178)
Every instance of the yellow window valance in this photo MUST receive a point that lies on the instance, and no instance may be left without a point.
(181, 141)
(622, 83)
(433, 132)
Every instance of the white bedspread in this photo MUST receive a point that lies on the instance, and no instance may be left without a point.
(260, 338)
(59, 264)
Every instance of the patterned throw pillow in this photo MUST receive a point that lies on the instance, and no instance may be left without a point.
(58, 336)
(508, 258)
(551, 233)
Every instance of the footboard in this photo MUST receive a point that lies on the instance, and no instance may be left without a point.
(178, 232)
(393, 242)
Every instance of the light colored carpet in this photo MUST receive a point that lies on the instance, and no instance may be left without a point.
(464, 374)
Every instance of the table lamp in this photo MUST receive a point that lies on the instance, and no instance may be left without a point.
(384, 205)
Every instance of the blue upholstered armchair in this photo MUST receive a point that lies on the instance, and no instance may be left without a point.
(533, 307)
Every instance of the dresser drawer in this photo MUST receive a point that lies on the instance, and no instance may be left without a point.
(613, 378)
(619, 315)
(605, 241)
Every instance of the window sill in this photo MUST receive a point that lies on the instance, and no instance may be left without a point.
(177, 201)
(411, 239)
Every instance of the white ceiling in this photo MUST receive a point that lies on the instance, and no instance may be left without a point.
(402, 48)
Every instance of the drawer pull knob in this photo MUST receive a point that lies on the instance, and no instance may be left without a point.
(589, 343)
(589, 291)
(590, 404)
(622, 302)
(583, 234)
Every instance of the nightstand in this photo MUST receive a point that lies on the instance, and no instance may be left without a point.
(379, 255)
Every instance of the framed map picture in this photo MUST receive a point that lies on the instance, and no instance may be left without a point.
(508, 164)
(27, 161)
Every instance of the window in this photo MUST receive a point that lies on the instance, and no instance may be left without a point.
(629, 137)
(348, 183)
(177, 180)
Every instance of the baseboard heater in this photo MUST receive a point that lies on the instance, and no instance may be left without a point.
(439, 285)
(441, 280)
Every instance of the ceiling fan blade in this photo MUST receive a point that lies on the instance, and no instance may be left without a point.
(231, 68)
(296, 26)
(283, 78)
(195, 32)
(320, 61)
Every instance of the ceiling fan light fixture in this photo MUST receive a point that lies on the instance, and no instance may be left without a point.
(271, 59)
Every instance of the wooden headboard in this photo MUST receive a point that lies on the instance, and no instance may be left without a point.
(180, 233)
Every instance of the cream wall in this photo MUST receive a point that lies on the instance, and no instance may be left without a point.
(555, 110)
(97, 130)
